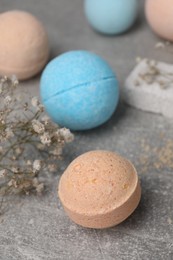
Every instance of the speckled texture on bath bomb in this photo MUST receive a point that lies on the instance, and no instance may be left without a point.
(79, 90)
(111, 16)
(159, 14)
(24, 47)
(99, 189)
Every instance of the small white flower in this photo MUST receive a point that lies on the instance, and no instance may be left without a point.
(4, 79)
(35, 182)
(15, 170)
(57, 151)
(7, 100)
(2, 122)
(18, 151)
(13, 183)
(28, 162)
(10, 183)
(35, 102)
(40, 188)
(38, 126)
(45, 138)
(9, 133)
(52, 167)
(45, 119)
(36, 165)
(66, 134)
(3, 173)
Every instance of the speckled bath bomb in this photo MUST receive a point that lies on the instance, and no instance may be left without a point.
(79, 90)
(24, 47)
(111, 16)
(99, 189)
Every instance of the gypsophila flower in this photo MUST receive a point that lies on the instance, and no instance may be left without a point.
(38, 127)
(32, 144)
(15, 169)
(35, 102)
(52, 167)
(18, 151)
(57, 151)
(66, 134)
(9, 133)
(2, 121)
(4, 79)
(45, 119)
(36, 165)
(45, 138)
(12, 182)
(40, 188)
(28, 162)
(35, 182)
(7, 100)
(3, 173)
(13, 158)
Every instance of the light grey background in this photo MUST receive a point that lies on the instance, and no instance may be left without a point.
(36, 228)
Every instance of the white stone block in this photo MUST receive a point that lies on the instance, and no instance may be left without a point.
(149, 87)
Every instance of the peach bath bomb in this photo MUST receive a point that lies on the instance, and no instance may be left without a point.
(79, 90)
(159, 14)
(24, 47)
(111, 16)
(99, 189)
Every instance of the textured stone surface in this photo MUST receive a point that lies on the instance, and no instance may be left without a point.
(150, 96)
(36, 228)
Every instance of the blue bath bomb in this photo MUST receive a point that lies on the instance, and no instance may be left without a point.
(111, 16)
(79, 90)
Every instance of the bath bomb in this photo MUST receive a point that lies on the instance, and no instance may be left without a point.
(149, 87)
(159, 14)
(24, 47)
(99, 189)
(79, 90)
(111, 16)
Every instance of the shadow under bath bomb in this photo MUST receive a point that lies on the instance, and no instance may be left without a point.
(79, 90)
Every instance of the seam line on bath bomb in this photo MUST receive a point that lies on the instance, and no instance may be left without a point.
(80, 85)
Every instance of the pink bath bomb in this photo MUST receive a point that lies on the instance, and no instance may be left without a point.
(159, 14)
(24, 48)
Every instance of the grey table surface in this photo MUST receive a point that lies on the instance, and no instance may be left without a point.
(36, 228)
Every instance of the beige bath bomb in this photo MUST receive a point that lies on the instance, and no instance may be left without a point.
(24, 47)
(159, 14)
(99, 189)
